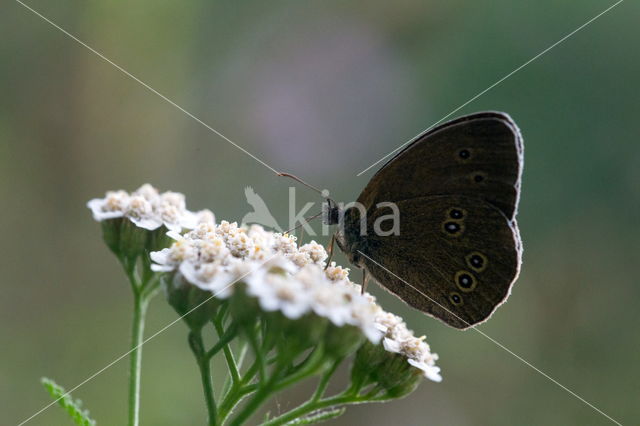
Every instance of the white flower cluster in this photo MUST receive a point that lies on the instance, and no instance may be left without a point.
(287, 278)
(148, 209)
(399, 339)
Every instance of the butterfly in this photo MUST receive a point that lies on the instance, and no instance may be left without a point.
(456, 251)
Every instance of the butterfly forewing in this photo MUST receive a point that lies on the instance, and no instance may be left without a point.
(479, 155)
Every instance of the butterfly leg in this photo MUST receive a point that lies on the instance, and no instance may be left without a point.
(365, 281)
(330, 250)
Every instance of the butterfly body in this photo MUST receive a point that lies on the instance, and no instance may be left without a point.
(456, 250)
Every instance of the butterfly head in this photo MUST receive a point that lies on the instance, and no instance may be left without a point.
(330, 212)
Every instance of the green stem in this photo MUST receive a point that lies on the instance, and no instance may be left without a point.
(311, 406)
(257, 350)
(222, 343)
(243, 354)
(264, 391)
(228, 355)
(238, 392)
(205, 375)
(137, 331)
(235, 395)
(197, 346)
(151, 287)
(227, 380)
(308, 367)
(347, 397)
(230, 400)
(324, 380)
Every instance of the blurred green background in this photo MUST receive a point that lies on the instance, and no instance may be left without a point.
(320, 89)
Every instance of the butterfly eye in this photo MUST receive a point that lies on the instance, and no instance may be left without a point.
(453, 229)
(477, 261)
(455, 299)
(464, 154)
(465, 281)
(456, 213)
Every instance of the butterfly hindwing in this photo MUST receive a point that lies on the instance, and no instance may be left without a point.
(455, 257)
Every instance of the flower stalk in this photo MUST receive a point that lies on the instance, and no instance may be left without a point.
(135, 360)
(203, 359)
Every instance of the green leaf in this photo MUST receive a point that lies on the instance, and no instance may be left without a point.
(319, 416)
(73, 408)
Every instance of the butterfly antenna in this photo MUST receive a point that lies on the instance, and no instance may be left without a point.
(331, 204)
(324, 193)
(306, 220)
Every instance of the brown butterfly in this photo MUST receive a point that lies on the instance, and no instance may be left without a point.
(456, 188)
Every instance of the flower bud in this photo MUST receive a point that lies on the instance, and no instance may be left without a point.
(397, 376)
(341, 342)
(158, 239)
(243, 308)
(300, 334)
(194, 305)
(373, 364)
(132, 241)
(368, 358)
(111, 234)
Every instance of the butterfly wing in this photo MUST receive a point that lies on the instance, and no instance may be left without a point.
(479, 155)
(455, 257)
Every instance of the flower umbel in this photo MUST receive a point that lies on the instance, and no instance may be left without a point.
(301, 318)
(260, 291)
(147, 208)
